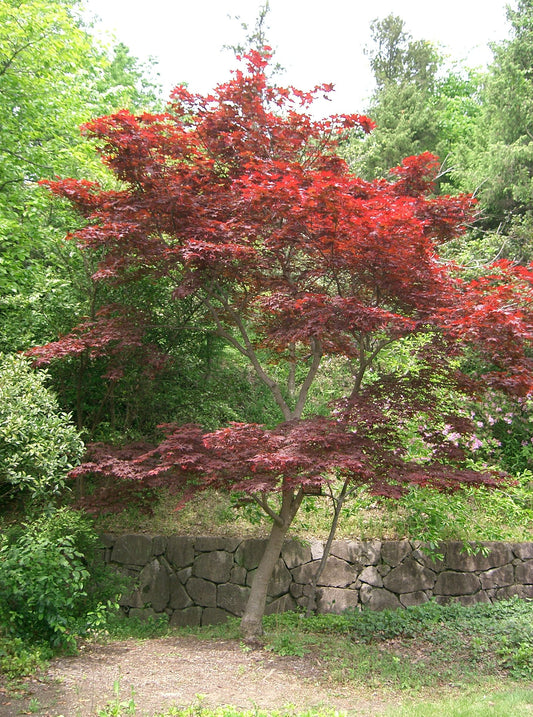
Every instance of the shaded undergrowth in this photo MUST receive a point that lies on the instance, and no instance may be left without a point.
(416, 647)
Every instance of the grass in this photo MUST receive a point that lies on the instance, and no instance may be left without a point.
(476, 515)
(415, 648)
(409, 650)
(517, 702)
(423, 646)
(451, 660)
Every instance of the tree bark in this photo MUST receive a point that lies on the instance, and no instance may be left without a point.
(338, 502)
(252, 620)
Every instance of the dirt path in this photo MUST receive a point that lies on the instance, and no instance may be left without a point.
(182, 671)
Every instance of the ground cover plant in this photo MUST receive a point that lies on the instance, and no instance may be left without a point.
(517, 702)
(470, 661)
(412, 648)
(470, 516)
(429, 644)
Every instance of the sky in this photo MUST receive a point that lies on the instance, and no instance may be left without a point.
(316, 41)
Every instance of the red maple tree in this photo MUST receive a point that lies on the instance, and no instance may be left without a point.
(242, 199)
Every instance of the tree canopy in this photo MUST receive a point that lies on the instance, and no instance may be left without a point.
(242, 202)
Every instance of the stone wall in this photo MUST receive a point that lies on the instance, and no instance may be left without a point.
(202, 580)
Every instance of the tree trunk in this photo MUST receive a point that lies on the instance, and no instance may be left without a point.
(252, 620)
(337, 505)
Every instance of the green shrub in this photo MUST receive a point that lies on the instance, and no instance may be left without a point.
(38, 443)
(53, 585)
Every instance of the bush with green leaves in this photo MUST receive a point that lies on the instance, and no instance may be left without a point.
(53, 583)
(38, 443)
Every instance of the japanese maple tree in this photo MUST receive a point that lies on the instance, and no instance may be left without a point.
(242, 199)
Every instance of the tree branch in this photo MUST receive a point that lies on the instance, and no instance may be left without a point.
(306, 385)
(263, 504)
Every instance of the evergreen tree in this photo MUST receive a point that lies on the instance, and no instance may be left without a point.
(503, 166)
(419, 105)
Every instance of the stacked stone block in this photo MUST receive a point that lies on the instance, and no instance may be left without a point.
(203, 580)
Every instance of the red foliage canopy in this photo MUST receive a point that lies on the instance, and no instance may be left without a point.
(242, 199)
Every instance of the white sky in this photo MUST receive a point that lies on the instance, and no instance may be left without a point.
(316, 41)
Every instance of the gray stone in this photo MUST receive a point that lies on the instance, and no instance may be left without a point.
(453, 583)
(296, 590)
(380, 599)
(466, 600)
(305, 573)
(179, 599)
(285, 603)
(417, 598)
(524, 573)
(232, 598)
(294, 553)
(481, 596)
(143, 614)
(408, 577)
(132, 549)
(364, 593)
(180, 551)
(108, 539)
(371, 576)
(280, 581)
(497, 577)
(159, 544)
(457, 559)
(522, 591)
(202, 592)
(250, 552)
(337, 573)
(358, 553)
(190, 617)
(238, 575)
(154, 585)
(394, 551)
(305, 594)
(335, 600)
(184, 575)
(132, 600)
(214, 616)
(215, 566)
(524, 551)
(207, 544)
(317, 549)
(428, 558)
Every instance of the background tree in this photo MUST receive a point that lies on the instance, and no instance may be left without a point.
(503, 161)
(56, 76)
(243, 203)
(53, 77)
(419, 105)
(406, 122)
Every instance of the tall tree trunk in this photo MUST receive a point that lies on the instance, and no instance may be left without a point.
(251, 623)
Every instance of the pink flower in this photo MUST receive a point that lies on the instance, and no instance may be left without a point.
(475, 443)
